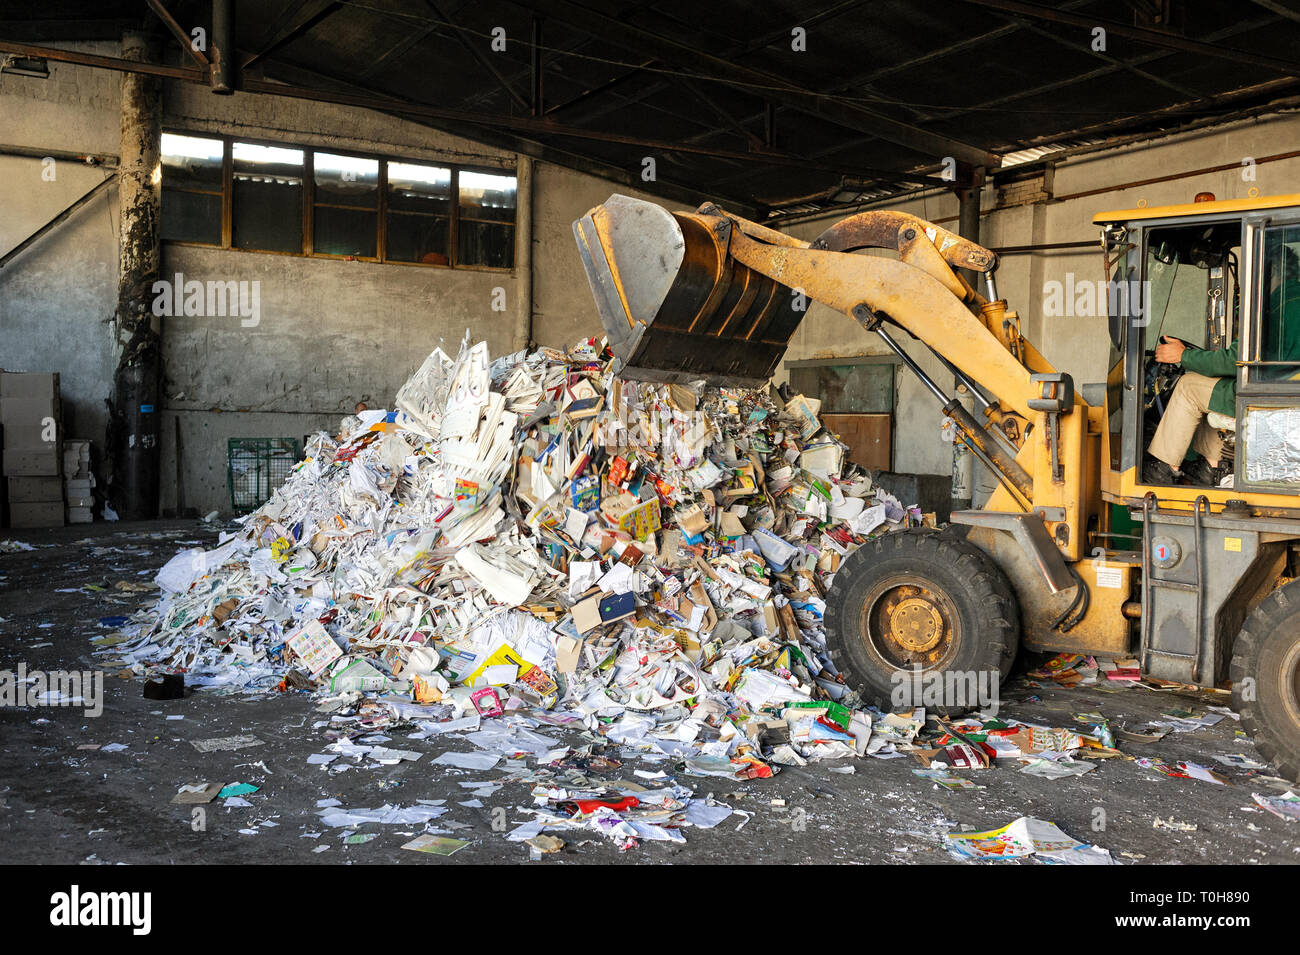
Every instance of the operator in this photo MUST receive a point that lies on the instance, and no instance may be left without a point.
(1210, 385)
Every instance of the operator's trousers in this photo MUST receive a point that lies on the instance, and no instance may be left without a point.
(1184, 423)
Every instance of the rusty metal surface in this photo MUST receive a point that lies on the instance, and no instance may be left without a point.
(906, 622)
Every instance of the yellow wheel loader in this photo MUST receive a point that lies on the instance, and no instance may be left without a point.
(1073, 551)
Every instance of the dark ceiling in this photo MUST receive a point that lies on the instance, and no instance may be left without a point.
(714, 91)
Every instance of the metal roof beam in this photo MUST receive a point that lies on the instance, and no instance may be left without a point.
(181, 36)
(776, 88)
(1142, 35)
(1272, 6)
(475, 50)
(285, 39)
(1144, 59)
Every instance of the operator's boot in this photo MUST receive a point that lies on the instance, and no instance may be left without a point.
(1156, 471)
(1201, 474)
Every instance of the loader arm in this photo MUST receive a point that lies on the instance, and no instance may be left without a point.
(706, 294)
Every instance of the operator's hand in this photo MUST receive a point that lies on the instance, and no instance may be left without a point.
(1170, 351)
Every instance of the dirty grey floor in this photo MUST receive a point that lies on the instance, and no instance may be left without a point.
(65, 805)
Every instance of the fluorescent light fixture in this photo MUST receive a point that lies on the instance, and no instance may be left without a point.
(26, 66)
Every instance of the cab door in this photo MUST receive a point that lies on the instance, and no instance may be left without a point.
(1268, 377)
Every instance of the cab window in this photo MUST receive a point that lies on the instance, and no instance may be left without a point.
(1280, 304)
(1191, 274)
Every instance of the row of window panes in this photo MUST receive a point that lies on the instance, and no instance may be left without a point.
(267, 204)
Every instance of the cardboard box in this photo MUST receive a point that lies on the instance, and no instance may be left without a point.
(27, 463)
(36, 514)
(31, 413)
(29, 384)
(27, 424)
(24, 490)
(26, 428)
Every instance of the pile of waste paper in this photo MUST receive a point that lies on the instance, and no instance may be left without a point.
(537, 532)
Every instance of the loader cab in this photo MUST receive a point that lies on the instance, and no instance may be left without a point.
(1211, 274)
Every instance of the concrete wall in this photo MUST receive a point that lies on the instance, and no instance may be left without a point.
(1078, 345)
(563, 309)
(57, 298)
(329, 333)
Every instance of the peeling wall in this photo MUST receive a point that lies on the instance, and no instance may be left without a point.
(330, 332)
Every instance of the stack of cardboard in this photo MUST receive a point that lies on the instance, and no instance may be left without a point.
(77, 481)
(33, 456)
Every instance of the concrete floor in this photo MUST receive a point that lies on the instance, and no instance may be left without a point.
(61, 804)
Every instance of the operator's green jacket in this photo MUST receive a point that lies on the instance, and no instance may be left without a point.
(1222, 363)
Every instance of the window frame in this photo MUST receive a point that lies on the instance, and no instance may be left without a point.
(452, 217)
(309, 203)
(803, 364)
(220, 191)
(1250, 380)
(228, 196)
(456, 214)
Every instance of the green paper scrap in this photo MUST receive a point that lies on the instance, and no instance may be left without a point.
(237, 789)
(360, 838)
(436, 845)
(837, 713)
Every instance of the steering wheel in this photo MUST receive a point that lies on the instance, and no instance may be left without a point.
(1161, 377)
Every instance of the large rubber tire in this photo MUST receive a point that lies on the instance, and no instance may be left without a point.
(968, 592)
(1265, 676)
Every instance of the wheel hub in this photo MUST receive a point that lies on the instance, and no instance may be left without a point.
(917, 624)
(1291, 682)
(907, 622)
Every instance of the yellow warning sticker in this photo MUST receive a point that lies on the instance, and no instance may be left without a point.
(1233, 544)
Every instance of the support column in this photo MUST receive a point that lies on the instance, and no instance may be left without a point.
(525, 172)
(964, 464)
(134, 414)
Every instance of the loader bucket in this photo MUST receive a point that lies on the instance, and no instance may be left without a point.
(675, 306)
